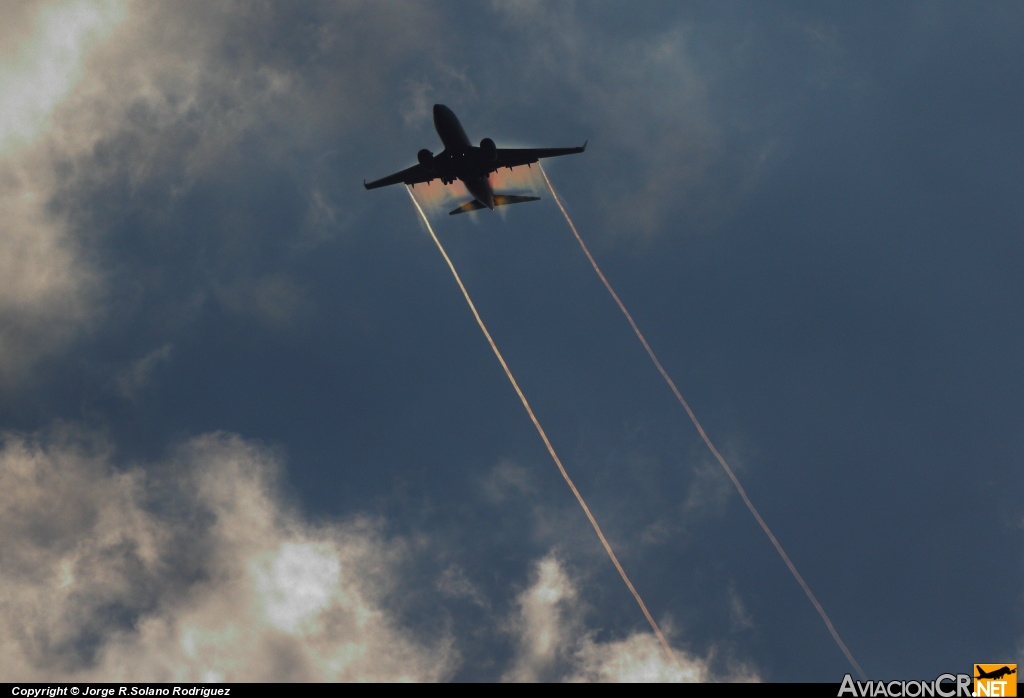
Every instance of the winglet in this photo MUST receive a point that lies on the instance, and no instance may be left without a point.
(584, 146)
(366, 187)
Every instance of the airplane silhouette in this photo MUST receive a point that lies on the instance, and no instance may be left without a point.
(994, 674)
(469, 163)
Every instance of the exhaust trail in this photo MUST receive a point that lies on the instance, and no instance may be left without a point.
(703, 435)
(544, 437)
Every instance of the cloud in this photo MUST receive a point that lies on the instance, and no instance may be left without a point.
(706, 498)
(639, 658)
(553, 643)
(507, 480)
(191, 570)
(446, 83)
(453, 583)
(197, 569)
(132, 380)
(544, 623)
(140, 143)
(48, 63)
(738, 614)
(643, 99)
(49, 289)
(275, 300)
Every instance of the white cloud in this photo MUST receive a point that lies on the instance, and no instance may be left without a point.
(544, 624)
(639, 658)
(193, 570)
(553, 643)
(49, 290)
(48, 63)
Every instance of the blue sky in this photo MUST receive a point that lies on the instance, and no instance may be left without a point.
(251, 430)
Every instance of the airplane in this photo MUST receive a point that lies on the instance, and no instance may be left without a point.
(469, 163)
(994, 674)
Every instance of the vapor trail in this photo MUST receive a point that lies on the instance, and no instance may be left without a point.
(704, 436)
(544, 436)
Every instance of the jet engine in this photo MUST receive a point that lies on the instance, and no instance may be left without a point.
(488, 151)
(426, 159)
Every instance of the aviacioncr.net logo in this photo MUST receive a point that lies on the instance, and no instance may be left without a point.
(945, 686)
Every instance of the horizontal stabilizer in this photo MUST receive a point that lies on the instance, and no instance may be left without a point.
(502, 200)
(468, 206)
(499, 200)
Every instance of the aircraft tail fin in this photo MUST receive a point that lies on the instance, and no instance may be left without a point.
(499, 200)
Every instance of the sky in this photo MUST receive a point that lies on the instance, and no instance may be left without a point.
(250, 431)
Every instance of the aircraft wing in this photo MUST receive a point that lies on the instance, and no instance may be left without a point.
(513, 157)
(411, 175)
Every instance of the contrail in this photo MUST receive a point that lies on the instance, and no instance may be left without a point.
(544, 437)
(703, 435)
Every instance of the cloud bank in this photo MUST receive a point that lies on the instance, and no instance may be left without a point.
(197, 569)
(200, 572)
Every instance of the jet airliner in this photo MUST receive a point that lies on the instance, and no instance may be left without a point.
(469, 163)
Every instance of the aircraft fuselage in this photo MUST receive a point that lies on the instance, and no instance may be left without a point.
(460, 159)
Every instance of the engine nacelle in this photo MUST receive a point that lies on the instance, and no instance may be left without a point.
(426, 159)
(488, 151)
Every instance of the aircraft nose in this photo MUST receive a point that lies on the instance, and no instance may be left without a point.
(441, 113)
